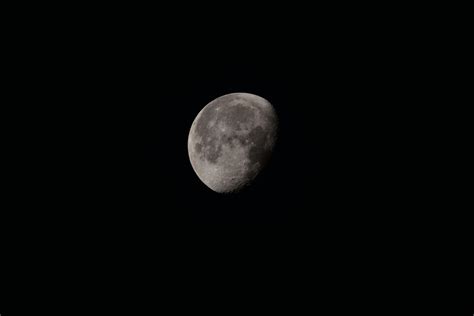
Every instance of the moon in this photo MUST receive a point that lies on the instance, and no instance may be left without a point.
(231, 141)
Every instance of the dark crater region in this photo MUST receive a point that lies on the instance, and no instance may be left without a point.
(210, 147)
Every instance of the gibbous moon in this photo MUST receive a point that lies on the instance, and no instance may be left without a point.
(231, 140)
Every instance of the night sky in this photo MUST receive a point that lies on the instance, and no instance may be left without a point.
(102, 189)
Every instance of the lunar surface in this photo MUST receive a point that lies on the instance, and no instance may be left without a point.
(231, 140)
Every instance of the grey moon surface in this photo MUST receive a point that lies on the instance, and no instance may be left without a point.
(231, 140)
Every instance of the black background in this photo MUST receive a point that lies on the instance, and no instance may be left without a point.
(103, 192)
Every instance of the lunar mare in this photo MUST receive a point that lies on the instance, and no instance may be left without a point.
(231, 140)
